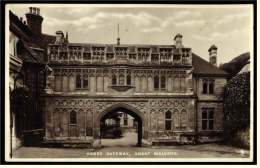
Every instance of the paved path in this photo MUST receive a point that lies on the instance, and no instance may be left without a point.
(129, 139)
(125, 147)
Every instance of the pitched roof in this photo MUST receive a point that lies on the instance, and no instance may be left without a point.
(203, 67)
(34, 56)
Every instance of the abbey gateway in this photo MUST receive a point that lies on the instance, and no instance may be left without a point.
(174, 95)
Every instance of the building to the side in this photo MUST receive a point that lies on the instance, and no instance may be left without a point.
(27, 50)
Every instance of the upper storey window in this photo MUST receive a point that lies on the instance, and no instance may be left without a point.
(121, 79)
(78, 81)
(82, 81)
(128, 79)
(114, 80)
(159, 83)
(208, 86)
(163, 83)
(156, 83)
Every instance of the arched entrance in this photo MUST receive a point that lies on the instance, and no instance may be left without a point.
(125, 109)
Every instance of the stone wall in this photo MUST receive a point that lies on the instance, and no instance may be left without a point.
(89, 112)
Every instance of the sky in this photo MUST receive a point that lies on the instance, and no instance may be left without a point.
(229, 27)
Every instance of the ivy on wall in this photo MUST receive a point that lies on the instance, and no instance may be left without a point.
(237, 103)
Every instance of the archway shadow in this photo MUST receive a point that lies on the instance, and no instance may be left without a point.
(137, 118)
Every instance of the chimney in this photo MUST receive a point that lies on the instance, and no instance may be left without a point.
(178, 40)
(213, 55)
(67, 37)
(34, 20)
(118, 41)
(59, 37)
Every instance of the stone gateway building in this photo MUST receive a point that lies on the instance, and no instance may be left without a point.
(174, 95)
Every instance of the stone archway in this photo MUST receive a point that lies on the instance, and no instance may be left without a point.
(125, 108)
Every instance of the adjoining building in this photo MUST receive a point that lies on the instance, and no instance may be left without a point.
(27, 50)
(174, 95)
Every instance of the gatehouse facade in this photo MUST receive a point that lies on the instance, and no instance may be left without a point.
(176, 95)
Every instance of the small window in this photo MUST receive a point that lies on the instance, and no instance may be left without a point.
(114, 79)
(163, 83)
(168, 120)
(78, 81)
(85, 82)
(205, 87)
(184, 118)
(128, 80)
(73, 117)
(156, 83)
(211, 88)
(121, 79)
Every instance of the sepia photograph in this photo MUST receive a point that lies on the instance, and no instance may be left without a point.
(129, 83)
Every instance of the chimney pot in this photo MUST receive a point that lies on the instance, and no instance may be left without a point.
(213, 55)
(34, 10)
(38, 11)
(178, 40)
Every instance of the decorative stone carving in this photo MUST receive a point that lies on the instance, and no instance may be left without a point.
(49, 80)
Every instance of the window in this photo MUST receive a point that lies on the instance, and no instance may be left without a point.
(85, 82)
(207, 118)
(128, 80)
(168, 120)
(208, 87)
(78, 81)
(81, 82)
(163, 83)
(121, 79)
(184, 118)
(73, 118)
(211, 87)
(205, 87)
(114, 79)
(156, 83)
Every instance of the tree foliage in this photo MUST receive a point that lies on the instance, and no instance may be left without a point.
(235, 65)
(237, 103)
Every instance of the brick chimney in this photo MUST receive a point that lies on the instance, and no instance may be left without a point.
(178, 40)
(59, 37)
(34, 20)
(213, 55)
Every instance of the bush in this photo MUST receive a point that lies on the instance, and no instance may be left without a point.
(241, 138)
(237, 104)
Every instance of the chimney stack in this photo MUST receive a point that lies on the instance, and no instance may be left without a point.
(59, 37)
(178, 40)
(34, 20)
(213, 55)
